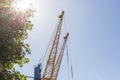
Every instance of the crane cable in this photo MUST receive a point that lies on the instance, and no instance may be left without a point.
(42, 59)
(68, 49)
(71, 59)
(68, 63)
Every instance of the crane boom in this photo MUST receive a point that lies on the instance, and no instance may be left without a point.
(48, 72)
(59, 60)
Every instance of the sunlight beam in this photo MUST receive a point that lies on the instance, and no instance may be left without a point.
(22, 5)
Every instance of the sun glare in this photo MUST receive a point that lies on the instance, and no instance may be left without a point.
(21, 4)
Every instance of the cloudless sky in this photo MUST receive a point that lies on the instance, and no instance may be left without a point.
(94, 27)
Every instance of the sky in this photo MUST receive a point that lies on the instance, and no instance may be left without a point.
(94, 27)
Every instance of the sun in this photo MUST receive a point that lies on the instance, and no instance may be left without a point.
(22, 5)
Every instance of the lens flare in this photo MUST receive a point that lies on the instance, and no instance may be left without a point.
(21, 5)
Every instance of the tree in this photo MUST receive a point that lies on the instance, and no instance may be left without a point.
(13, 31)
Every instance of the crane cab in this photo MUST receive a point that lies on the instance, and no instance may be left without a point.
(37, 72)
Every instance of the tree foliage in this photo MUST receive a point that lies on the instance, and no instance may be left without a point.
(13, 31)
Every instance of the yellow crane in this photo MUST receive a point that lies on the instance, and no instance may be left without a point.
(59, 60)
(53, 64)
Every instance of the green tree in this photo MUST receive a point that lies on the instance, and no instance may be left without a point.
(14, 26)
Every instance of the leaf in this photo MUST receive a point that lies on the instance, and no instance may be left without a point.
(1, 67)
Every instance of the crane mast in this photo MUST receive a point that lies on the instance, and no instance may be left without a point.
(49, 69)
(59, 60)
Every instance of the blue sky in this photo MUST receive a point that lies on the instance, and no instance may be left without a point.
(94, 27)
